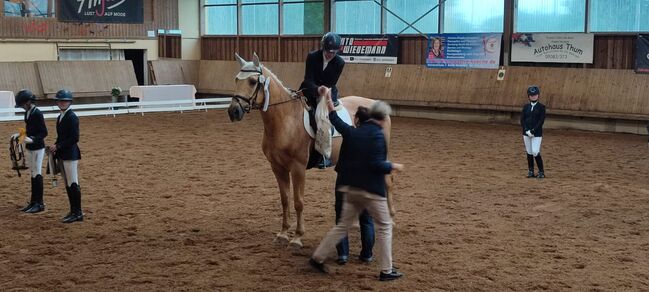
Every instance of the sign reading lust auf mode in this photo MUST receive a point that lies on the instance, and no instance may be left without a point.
(101, 11)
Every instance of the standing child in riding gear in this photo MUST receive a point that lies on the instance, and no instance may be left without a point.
(323, 68)
(362, 168)
(532, 119)
(67, 151)
(36, 131)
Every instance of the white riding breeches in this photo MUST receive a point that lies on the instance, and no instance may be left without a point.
(532, 145)
(35, 161)
(71, 174)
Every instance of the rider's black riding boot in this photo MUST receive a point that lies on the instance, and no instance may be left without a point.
(37, 195)
(539, 163)
(70, 201)
(74, 194)
(31, 199)
(530, 166)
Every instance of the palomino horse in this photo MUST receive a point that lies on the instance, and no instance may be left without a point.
(285, 143)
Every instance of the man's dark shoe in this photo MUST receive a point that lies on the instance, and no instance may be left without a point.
(541, 175)
(73, 217)
(530, 174)
(36, 207)
(320, 267)
(324, 163)
(29, 206)
(390, 276)
(341, 260)
(366, 260)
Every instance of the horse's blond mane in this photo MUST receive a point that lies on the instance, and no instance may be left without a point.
(271, 74)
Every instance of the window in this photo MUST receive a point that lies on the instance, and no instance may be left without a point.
(619, 15)
(221, 17)
(474, 16)
(29, 8)
(357, 17)
(303, 17)
(550, 16)
(259, 17)
(411, 10)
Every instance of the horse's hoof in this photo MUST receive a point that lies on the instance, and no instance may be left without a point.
(296, 243)
(281, 239)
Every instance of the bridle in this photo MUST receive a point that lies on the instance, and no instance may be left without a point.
(16, 155)
(262, 83)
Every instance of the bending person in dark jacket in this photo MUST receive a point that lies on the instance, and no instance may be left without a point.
(532, 119)
(362, 166)
(36, 131)
(67, 151)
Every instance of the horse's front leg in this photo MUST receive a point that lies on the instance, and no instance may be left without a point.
(283, 182)
(298, 176)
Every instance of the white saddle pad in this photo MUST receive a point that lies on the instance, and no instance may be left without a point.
(342, 113)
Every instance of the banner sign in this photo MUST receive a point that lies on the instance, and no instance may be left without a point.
(468, 50)
(553, 48)
(642, 54)
(369, 49)
(104, 11)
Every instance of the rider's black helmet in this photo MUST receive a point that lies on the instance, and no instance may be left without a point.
(533, 90)
(23, 96)
(64, 95)
(331, 42)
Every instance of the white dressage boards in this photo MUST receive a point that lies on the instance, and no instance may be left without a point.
(157, 98)
(161, 97)
(6, 101)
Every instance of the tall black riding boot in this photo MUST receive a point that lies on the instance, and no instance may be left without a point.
(530, 166)
(75, 205)
(37, 195)
(68, 190)
(539, 163)
(31, 199)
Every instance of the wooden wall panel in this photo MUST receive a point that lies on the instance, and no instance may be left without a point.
(266, 48)
(295, 49)
(157, 15)
(219, 48)
(609, 93)
(217, 76)
(86, 78)
(614, 52)
(15, 76)
(175, 72)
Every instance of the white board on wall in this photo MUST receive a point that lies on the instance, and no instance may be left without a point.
(553, 47)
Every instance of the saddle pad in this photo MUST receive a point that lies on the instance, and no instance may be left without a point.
(342, 113)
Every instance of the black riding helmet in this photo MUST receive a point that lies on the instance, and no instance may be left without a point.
(24, 96)
(533, 90)
(64, 95)
(331, 42)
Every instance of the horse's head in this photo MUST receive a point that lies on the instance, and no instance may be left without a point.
(249, 88)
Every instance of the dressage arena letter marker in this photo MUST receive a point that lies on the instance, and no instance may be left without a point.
(388, 71)
(501, 74)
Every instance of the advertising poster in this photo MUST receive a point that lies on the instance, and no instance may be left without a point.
(553, 47)
(369, 49)
(472, 50)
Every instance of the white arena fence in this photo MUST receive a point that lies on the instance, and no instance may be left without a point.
(118, 108)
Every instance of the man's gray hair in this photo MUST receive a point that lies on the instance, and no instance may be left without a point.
(380, 110)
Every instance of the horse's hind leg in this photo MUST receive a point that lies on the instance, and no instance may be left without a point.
(284, 184)
(298, 177)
